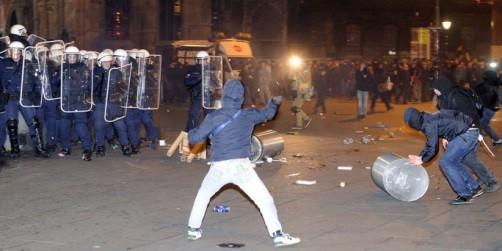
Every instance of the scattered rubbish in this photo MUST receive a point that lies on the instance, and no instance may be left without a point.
(178, 208)
(345, 168)
(305, 182)
(268, 159)
(343, 184)
(298, 155)
(366, 128)
(231, 245)
(348, 141)
(359, 131)
(368, 168)
(392, 134)
(379, 125)
(221, 209)
(292, 133)
(293, 174)
(438, 198)
(96, 246)
(366, 139)
(381, 138)
(282, 160)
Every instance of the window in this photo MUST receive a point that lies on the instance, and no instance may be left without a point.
(117, 19)
(170, 19)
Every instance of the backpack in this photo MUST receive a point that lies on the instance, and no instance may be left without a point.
(476, 104)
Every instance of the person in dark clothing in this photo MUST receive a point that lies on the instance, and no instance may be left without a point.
(382, 91)
(487, 92)
(230, 130)
(454, 127)
(321, 88)
(404, 83)
(363, 86)
(19, 33)
(193, 81)
(462, 100)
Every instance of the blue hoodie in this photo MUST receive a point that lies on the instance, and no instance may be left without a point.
(234, 140)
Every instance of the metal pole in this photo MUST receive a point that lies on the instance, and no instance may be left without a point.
(437, 28)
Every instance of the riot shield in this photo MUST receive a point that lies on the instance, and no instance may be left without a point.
(76, 85)
(117, 92)
(149, 85)
(212, 82)
(50, 66)
(34, 39)
(32, 77)
(137, 71)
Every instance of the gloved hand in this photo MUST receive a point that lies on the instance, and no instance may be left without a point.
(277, 100)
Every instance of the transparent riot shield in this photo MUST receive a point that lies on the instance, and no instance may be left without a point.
(32, 78)
(51, 67)
(33, 39)
(149, 87)
(137, 71)
(212, 82)
(76, 85)
(117, 92)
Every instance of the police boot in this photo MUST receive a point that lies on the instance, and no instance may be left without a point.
(14, 143)
(135, 149)
(100, 151)
(126, 150)
(38, 143)
(154, 144)
(87, 155)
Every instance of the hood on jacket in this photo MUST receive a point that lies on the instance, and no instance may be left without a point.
(490, 77)
(413, 118)
(233, 94)
(443, 84)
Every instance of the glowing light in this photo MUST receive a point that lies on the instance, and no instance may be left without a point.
(295, 62)
(493, 65)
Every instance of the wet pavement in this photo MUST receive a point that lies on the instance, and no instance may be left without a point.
(143, 202)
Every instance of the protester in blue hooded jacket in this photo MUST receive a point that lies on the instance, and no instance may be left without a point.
(455, 128)
(230, 130)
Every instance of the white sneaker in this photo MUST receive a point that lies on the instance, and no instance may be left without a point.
(194, 233)
(285, 240)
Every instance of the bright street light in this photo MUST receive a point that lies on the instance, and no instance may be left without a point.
(446, 24)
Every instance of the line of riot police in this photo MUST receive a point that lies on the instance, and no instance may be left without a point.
(67, 91)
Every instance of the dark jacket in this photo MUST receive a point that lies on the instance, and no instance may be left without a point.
(456, 98)
(446, 124)
(234, 140)
(487, 90)
(193, 81)
(363, 80)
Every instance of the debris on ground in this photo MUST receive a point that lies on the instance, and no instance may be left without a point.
(292, 174)
(368, 168)
(379, 125)
(298, 155)
(359, 131)
(366, 139)
(231, 245)
(392, 134)
(292, 133)
(221, 209)
(343, 184)
(306, 182)
(348, 141)
(344, 168)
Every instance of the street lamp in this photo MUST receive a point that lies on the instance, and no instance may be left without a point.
(446, 24)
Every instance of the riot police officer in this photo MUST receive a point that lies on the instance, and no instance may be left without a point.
(76, 101)
(146, 116)
(193, 81)
(101, 79)
(19, 33)
(11, 71)
(133, 117)
(49, 110)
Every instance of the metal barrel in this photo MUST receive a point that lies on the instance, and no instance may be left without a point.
(266, 144)
(397, 177)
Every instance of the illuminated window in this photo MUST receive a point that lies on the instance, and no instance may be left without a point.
(117, 19)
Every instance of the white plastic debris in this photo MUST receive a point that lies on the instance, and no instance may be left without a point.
(348, 141)
(306, 182)
(345, 168)
(343, 184)
(293, 174)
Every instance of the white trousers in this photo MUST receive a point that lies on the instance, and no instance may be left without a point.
(241, 173)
